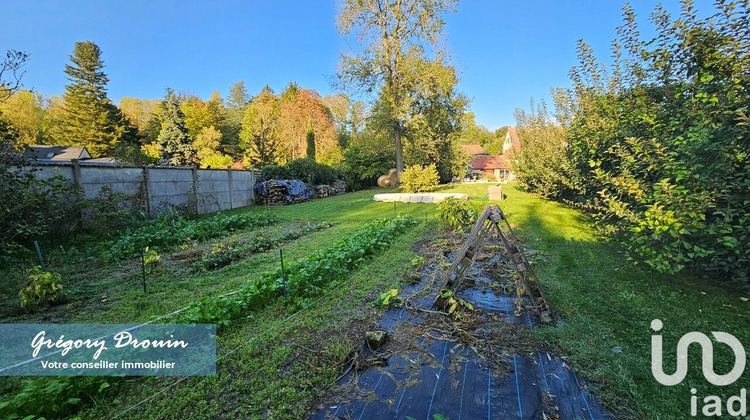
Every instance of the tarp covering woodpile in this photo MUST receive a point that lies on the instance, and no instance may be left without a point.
(283, 192)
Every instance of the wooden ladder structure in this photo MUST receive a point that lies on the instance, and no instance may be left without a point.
(491, 219)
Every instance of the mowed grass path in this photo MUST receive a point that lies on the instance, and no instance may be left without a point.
(606, 304)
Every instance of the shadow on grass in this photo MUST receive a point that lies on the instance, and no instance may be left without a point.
(606, 305)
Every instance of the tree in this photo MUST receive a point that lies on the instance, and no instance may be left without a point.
(400, 32)
(24, 110)
(89, 119)
(144, 115)
(234, 112)
(297, 107)
(206, 145)
(10, 73)
(174, 141)
(473, 133)
(310, 141)
(259, 129)
(238, 98)
(200, 114)
(432, 123)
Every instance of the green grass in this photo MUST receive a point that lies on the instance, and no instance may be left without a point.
(278, 364)
(602, 301)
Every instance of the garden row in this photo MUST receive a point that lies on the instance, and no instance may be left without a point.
(305, 278)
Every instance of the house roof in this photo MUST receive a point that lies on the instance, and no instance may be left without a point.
(56, 153)
(514, 138)
(472, 149)
(488, 162)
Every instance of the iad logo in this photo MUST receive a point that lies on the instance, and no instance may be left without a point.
(707, 350)
(713, 404)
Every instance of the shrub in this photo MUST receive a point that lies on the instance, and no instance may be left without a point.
(419, 179)
(274, 172)
(305, 169)
(31, 208)
(112, 211)
(363, 165)
(456, 214)
(311, 172)
(43, 288)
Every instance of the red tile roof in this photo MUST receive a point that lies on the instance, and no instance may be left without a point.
(487, 162)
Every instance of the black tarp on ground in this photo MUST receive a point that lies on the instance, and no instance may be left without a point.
(448, 378)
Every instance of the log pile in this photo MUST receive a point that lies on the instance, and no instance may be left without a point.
(323, 191)
(339, 186)
(275, 194)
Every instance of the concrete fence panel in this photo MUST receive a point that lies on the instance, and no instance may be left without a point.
(156, 188)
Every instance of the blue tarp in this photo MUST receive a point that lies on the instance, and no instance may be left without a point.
(294, 188)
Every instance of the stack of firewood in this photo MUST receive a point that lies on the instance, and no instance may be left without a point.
(323, 191)
(339, 187)
(275, 194)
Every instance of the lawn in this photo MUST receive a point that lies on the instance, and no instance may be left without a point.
(277, 363)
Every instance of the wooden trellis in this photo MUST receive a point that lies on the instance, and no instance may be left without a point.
(492, 219)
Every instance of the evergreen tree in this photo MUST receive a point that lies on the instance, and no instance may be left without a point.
(174, 141)
(258, 137)
(310, 141)
(236, 103)
(89, 118)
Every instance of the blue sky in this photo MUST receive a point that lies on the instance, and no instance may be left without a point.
(505, 51)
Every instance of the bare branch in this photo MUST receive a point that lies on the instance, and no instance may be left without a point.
(11, 73)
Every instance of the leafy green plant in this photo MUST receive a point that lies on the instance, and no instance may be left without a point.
(173, 230)
(416, 178)
(54, 397)
(151, 259)
(388, 298)
(33, 208)
(225, 253)
(43, 288)
(305, 278)
(656, 148)
(456, 214)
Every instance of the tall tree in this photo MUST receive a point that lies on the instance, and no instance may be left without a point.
(433, 121)
(310, 141)
(398, 31)
(234, 111)
(89, 119)
(174, 141)
(238, 98)
(298, 106)
(259, 129)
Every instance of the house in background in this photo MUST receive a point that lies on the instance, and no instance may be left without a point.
(63, 155)
(499, 167)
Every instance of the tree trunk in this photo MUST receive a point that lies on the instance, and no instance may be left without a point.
(399, 153)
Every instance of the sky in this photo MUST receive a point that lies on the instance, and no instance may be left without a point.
(505, 52)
